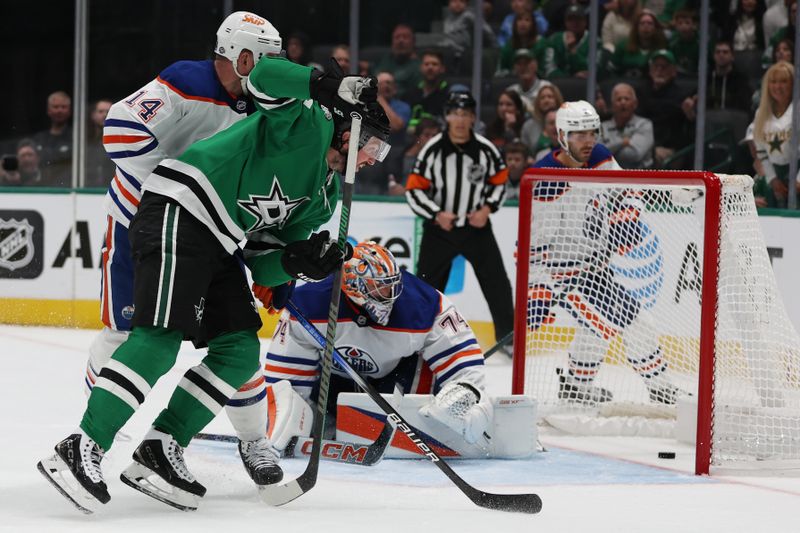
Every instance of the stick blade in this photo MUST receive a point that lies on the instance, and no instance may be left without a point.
(513, 503)
(277, 495)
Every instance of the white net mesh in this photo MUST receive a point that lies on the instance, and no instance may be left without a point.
(614, 312)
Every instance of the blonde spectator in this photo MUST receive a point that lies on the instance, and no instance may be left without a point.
(548, 99)
(772, 130)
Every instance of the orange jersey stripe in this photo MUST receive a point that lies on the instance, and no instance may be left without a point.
(499, 178)
(252, 385)
(189, 96)
(128, 196)
(125, 138)
(456, 357)
(415, 181)
(293, 371)
(593, 318)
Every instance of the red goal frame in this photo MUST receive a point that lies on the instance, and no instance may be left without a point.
(708, 313)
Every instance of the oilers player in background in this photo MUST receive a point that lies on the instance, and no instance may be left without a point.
(578, 128)
(577, 232)
(397, 331)
(271, 179)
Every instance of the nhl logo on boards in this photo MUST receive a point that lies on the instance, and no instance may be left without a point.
(476, 173)
(16, 246)
(21, 244)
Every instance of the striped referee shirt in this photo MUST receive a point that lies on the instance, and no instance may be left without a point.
(459, 178)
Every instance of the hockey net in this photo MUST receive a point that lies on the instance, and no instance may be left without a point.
(639, 291)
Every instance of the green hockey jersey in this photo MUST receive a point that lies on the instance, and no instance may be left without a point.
(264, 179)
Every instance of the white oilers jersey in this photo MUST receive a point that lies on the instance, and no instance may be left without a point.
(576, 229)
(774, 149)
(423, 322)
(184, 104)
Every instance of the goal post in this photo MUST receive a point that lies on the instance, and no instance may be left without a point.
(649, 288)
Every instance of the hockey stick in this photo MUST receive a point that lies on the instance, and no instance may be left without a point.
(280, 494)
(502, 342)
(333, 450)
(521, 503)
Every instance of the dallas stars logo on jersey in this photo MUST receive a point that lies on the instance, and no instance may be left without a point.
(271, 210)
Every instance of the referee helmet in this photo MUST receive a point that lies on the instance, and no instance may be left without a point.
(459, 100)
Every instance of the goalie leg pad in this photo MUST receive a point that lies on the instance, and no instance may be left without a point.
(464, 409)
(289, 414)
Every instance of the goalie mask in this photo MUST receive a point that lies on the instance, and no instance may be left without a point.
(247, 31)
(372, 280)
(575, 116)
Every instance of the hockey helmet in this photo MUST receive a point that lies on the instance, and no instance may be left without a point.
(575, 116)
(459, 100)
(372, 280)
(243, 30)
(374, 122)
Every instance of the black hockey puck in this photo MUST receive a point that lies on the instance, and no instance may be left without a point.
(666, 455)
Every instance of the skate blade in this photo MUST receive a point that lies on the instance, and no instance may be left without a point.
(56, 471)
(147, 482)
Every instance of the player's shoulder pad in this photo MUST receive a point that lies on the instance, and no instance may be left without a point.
(313, 299)
(194, 79)
(417, 306)
(600, 154)
(548, 161)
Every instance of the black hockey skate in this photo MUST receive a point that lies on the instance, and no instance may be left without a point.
(75, 471)
(572, 390)
(159, 471)
(260, 460)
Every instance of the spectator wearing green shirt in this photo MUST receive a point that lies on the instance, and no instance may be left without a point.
(685, 43)
(523, 35)
(401, 60)
(631, 55)
(565, 53)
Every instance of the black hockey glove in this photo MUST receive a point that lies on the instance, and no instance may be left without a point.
(313, 259)
(324, 87)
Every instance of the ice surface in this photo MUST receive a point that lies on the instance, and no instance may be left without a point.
(587, 484)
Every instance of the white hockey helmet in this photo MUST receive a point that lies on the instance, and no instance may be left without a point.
(243, 30)
(575, 116)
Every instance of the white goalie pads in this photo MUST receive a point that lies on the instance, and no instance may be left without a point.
(289, 414)
(513, 427)
(464, 409)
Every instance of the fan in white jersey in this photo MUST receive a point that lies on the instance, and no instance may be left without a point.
(571, 254)
(772, 131)
(188, 101)
(396, 331)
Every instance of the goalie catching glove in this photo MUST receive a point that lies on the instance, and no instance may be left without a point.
(464, 409)
(314, 258)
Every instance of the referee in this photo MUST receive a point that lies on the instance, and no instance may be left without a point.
(458, 180)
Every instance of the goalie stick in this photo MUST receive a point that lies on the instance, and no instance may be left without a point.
(279, 494)
(502, 342)
(333, 450)
(521, 503)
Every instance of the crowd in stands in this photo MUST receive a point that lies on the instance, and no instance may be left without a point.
(534, 57)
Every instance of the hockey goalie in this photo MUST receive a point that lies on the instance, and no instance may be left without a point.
(401, 335)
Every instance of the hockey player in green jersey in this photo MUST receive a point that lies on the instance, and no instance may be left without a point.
(270, 179)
